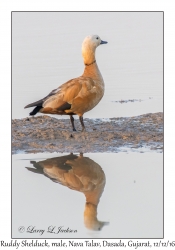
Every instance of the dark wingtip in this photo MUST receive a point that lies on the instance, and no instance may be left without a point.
(34, 170)
(28, 106)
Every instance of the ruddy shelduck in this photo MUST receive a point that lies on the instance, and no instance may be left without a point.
(80, 94)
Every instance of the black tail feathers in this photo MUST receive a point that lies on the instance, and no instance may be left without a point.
(36, 109)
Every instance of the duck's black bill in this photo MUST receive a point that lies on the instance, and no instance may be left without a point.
(103, 42)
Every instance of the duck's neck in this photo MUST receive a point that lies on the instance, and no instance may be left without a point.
(88, 54)
(92, 70)
(86, 64)
(90, 216)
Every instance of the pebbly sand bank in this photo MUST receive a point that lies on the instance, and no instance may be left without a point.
(48, 134)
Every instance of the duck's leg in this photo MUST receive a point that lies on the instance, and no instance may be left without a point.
(82, 123)
(72, 122)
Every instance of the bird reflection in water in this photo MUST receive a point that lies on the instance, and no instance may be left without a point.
(78, 173)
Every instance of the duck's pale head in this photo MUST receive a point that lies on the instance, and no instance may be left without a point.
(89, 45)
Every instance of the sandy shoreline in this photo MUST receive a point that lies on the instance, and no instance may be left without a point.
(47, 134)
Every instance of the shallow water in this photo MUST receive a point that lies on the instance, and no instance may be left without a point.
(46, 54)
(129, 185)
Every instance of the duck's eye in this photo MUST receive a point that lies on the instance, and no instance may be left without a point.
(96, 37)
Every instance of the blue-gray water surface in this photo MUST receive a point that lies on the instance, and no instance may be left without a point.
(46, 52)
(50, 191)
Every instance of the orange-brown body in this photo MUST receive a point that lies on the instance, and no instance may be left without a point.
(80, 94)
